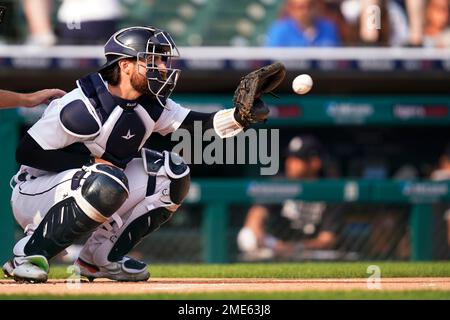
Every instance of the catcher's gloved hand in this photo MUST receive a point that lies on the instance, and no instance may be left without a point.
(249, 108)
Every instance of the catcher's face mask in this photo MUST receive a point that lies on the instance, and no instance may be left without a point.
(157, 68)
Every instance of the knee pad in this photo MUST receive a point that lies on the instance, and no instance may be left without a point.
(64, 223)
(104, 190)
(169, 170)
(168, 185)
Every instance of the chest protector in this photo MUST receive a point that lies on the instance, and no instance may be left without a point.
(113, 131)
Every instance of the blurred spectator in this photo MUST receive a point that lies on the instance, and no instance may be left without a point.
(415, 9)
(443, 170)
(377, 22)
(88, 21)
(442, 173)
(285, 230)
(437, 31)
(393, 29)
(302, 25)
(37, 13)
(332, 11)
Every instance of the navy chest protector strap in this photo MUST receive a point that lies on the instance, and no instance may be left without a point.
(104, 102)
(95, 90)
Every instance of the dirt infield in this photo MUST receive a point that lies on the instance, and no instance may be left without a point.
(196, 285)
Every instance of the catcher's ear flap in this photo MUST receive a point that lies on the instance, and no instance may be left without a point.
(273, 76)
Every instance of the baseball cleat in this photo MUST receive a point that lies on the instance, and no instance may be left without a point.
(126, 269)
(33, 269)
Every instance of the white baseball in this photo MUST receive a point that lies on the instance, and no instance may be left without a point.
(302, 84)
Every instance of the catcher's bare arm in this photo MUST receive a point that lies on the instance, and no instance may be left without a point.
(248, 108)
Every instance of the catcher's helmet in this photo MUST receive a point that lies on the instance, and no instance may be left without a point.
(144, 43)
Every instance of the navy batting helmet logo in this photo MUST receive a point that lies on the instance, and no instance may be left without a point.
(145, 44)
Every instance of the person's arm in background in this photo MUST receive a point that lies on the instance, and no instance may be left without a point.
(367, 33)
(9, 99)
(256, 218)
(253, 235)
(38, 15)
(415, 10)
(324, 240)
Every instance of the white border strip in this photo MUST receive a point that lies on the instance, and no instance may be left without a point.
(240, 53)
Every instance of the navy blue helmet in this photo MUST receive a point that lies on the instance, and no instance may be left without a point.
(144, 44)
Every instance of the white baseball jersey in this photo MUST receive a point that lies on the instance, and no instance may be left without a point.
(88, 120)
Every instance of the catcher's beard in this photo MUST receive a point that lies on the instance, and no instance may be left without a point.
(140, 84)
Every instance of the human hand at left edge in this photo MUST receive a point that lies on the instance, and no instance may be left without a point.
(42, 96)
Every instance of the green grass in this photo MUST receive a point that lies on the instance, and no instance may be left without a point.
(290, 270)
(301, 295)
(277, 270)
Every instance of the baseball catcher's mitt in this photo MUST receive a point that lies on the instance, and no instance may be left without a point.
(249, 107)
